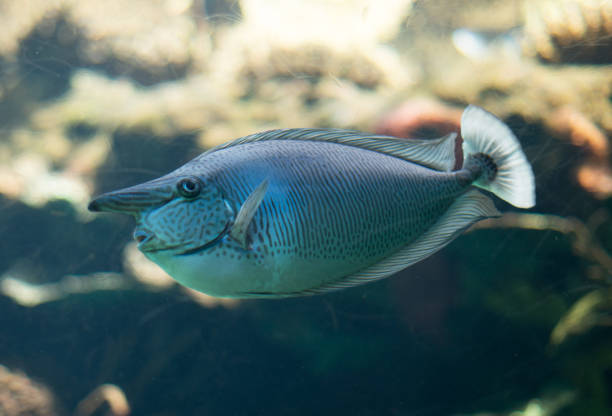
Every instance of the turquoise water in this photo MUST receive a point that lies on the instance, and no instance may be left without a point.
(512, 318)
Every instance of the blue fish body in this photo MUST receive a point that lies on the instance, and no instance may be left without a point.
(304, 211)
(330, 210)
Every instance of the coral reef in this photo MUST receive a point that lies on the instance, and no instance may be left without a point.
(20, 396)
(421, 118)
(106, 393)
(569, 31)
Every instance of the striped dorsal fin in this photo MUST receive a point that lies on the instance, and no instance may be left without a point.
(437, 154)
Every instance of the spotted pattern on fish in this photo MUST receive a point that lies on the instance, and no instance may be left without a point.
(189, 223)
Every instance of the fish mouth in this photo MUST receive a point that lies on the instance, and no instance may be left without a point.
(147, 243)
(145, 240)
(142, 236)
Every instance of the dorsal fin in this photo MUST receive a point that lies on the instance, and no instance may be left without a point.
(245, 215)
(437, 154)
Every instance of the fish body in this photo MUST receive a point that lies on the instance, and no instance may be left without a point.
(304, 211)
(329, 210)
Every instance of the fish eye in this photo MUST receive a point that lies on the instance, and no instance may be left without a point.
(189, 187)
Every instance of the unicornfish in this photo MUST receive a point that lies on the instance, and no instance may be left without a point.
(296, 212)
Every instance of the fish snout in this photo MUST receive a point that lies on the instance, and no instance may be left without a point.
(133, 200)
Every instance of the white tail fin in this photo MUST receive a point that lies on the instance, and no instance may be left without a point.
(512, 179)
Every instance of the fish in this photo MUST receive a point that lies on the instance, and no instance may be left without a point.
(294, 212)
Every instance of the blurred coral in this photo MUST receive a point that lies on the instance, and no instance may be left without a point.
(592, 310)
(569, 31)
(31, 295)
(110, 394)
(568, 122)
(596, 178)
(20, 396)
(594, 175)
(159, 37)
(549, 404)
(421, 118)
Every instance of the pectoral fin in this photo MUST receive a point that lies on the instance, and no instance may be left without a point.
(246, 213)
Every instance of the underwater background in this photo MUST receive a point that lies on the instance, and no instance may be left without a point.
(512, 318)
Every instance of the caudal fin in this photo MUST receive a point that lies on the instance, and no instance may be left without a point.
(510, 177)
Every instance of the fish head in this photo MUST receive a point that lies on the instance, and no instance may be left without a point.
(175, 214)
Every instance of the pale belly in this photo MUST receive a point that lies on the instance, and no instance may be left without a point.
(230, 271)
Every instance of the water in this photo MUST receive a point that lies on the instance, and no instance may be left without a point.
(511, 318)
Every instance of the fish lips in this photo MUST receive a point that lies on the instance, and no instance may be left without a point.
(149, 243)
(143, 237)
